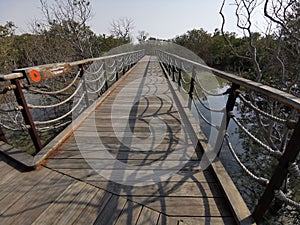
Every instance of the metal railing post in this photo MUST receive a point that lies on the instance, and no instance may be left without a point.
(117, 76)
(26, 115)
(192, 87)
(105, 75)
(280, 173)
(179, 77)
(86, 95)
(173, 72)
(2, 136)
(233, 94)
(124, 67)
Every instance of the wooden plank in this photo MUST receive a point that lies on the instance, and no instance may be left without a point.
(75, 208)
(20, 186)
(94, 208)
(181, 176)
(240, 210)
(148, 217)
(187, 207)
(33, 203)
(57, 207)
(206, 220)
(112, 211)
(163, 219)
(8, 173)
(163, 189)
(129, 214)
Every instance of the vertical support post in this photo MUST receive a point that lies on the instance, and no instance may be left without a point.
(173, 72)
(124, 67)
(192, 87)
(2, 135)
(26, 115)
(117, 76)
(86, 95)
(280, 173)
(231, 100)
(233, 94)
(179, 77)
(105, 75)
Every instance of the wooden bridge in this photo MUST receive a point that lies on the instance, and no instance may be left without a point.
(133, 155)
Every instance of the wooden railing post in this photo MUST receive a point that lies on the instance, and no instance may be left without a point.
(26, 115)
(280, 173)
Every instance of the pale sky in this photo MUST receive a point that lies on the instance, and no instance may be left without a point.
(160, 18)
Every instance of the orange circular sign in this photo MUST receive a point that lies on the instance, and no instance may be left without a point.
(35, 75)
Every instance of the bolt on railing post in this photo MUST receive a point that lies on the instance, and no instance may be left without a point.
(280, 173)
(86, 94)
(26, 115)
(2, 136)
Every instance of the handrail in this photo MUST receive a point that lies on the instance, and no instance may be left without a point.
(10, 76)
(278, 95)
(286, 156)
(76, 75)
(75, 63)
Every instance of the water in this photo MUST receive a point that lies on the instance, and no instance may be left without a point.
(257, 161)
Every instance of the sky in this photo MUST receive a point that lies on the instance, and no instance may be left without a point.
(163, 19)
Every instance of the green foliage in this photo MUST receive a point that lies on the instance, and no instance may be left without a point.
(56, 44)
(236, 54)
(7, 30)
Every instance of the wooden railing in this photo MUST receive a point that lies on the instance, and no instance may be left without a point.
(245, 90)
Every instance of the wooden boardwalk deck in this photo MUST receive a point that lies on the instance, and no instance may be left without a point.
(68, 189)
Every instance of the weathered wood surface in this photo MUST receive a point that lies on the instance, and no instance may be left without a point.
(67, 190)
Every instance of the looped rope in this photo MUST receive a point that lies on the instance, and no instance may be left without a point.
(261, 180)
(57, 104)
(277, 154)
(272, 117)
(294, 169)
(281, 196)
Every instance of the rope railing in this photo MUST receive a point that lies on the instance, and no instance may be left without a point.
(101, 76)
(281, 196)
(61, 117)
(62, 90)
(275, 153)
(58, 91)
(94, 72)
(261, 180)
(31, 106)
(255, 108)
(96, 91)
(280, 121)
